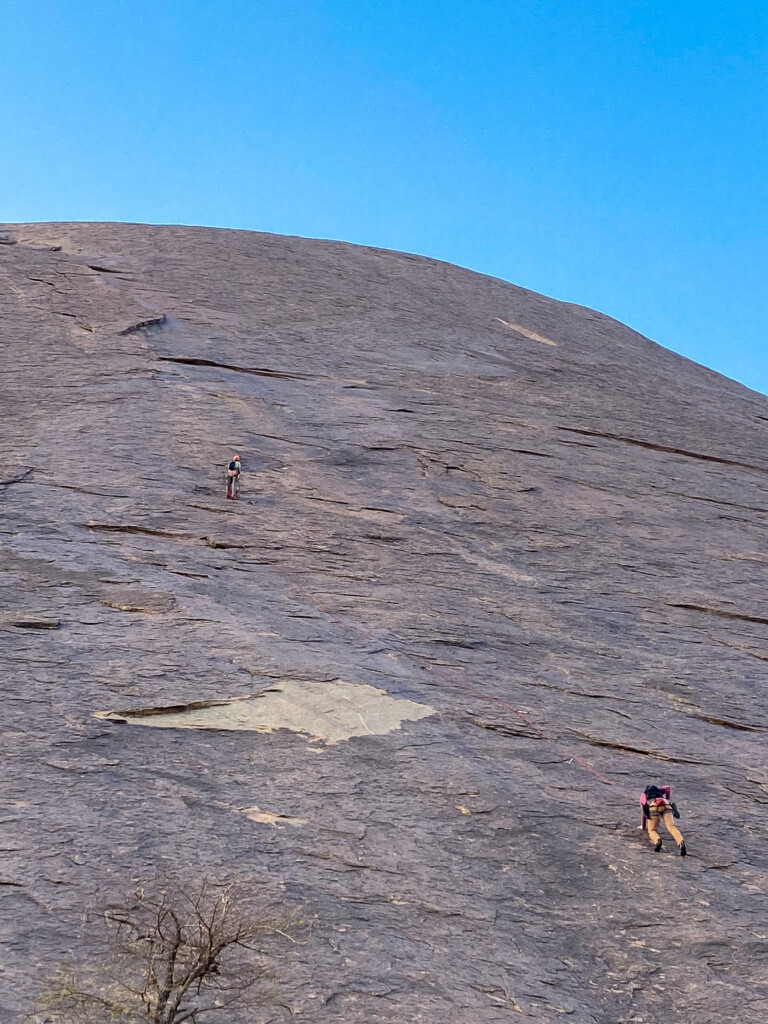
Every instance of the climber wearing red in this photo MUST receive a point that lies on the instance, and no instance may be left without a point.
(657, 805)
(233, 477)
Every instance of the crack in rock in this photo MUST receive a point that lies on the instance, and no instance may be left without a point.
(725, 722)
(143, 325)
(721, 612)
(257, 371)
(28, 621)
(594, 741)
(667, 449)
(16, 479)
(149, 531)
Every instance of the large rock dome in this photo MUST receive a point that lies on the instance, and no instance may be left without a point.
(498, 563)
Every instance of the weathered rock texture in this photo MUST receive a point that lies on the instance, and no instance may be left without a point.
(514, 511)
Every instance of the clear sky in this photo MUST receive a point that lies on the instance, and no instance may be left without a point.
(608, 152)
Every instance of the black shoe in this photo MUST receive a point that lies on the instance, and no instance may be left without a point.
(657, 847)
(683, 851)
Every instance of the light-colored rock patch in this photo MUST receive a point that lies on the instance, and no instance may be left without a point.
(328, 711)
(272, 817)
(532, 335)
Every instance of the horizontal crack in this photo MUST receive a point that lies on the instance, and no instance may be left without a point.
(142, 325)
(715, 501)
(505, 730)
(16, 479)
(666, 448)
(30, 622)
(594, 742)
(725, 722)
(84, 490)
(721, 612)
(149, 531)
(258, 371)
(742, 650)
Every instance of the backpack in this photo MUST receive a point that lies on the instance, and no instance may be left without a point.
(651, 793)
(233, 468)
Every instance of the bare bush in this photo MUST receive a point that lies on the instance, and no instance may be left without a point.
(176, 952)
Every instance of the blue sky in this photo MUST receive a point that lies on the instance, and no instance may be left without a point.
(608, 152)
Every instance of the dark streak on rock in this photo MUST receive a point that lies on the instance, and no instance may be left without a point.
(85, 490)
(625, 748)
(665, 448)
(256, 371)
(143, 325)
(169, 709)
(721, 612)
(30, 622)
(16, 479)
(149, 531)
(504, 730)
(725, 722)
(716, 501)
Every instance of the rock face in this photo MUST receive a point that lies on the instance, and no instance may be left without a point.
(541, 529)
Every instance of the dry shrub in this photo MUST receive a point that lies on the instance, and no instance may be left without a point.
(176, 952)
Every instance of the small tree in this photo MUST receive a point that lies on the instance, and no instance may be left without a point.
(177, 953)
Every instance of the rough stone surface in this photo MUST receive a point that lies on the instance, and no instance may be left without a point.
(515, 511)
